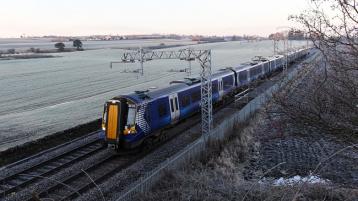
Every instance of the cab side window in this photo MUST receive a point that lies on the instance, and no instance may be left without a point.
(185, 101)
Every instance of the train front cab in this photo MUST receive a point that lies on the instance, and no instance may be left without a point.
(118, 121)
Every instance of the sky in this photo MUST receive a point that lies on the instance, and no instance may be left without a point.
(122, 17)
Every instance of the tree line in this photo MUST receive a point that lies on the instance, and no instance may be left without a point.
(76, 43)
(327, 100)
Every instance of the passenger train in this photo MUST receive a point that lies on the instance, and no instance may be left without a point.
(128, 120)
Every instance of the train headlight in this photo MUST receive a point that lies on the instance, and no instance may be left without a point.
(126, 130)
(129, 130)
(132, 130)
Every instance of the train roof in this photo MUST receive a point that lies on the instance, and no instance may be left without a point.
(175, 87)
(180, 85)
(139, 96)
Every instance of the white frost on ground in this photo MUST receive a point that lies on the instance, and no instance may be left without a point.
(312, 179)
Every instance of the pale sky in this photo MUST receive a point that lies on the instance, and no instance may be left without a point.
(87, 17)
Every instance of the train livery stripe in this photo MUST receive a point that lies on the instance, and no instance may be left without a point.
(112, 128)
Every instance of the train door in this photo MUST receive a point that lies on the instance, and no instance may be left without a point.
(269, 66)
(220, 88)
(112, 121)
(174, 107)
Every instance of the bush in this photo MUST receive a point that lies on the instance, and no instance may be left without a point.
(60, 46)
(78, 44)
(31, 49)
(11, 51)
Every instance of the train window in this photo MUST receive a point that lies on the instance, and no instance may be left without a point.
(131, 115)
(243, 76)
(162, 110)
(171, 105)
(195, 96)
(176, 103)
(256, 70)
(185, 101)
(228, 82)
(266, 67)
(214, 87)
(252, 72)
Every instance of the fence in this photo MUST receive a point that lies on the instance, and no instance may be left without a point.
(194, 149)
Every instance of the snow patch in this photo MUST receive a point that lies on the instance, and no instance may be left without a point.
(312, 179)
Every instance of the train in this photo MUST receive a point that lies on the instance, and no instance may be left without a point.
(131, 119)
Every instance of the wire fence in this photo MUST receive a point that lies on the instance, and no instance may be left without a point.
(193, 150)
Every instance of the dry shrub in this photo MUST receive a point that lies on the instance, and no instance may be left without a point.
(317, 103)
(327, 99)
(213, 177)
(224, 183)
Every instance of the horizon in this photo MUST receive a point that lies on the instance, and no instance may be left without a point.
(110, 17)
(153, 34)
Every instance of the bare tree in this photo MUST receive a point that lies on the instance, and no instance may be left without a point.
(60, 46)
(328, 98)
(11, 51)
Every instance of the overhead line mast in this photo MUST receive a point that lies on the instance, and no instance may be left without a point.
(204, 59)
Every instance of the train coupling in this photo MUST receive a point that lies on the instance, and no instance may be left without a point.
(112, 146)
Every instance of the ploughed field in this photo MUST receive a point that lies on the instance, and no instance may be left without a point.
(39, 97)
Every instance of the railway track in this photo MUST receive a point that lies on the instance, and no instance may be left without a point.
(24, 177)
(85, 179)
